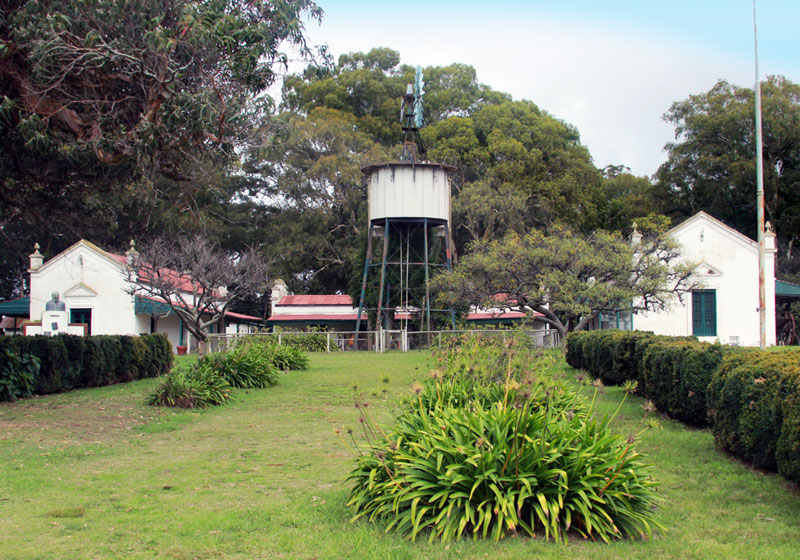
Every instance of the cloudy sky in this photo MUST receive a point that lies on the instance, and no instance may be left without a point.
(610, 68)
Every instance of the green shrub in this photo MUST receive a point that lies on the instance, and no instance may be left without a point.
(283, 356)
(753, 404)
(676, 375)
(244, 367)
(473, 456)
(17, 375)
(54, 361)
(94, 363)
(787, 448)
(311, 342)
(574, 356)
(75, 345)
(288, 358)
(160, 355)
(69, 361)
(191, 388)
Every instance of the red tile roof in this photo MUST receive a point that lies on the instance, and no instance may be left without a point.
(184, 282)
(316, 317)
(242, 316)
(333, 299)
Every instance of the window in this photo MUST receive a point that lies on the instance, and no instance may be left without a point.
(83, 316)
(704, 313)
(622, 320)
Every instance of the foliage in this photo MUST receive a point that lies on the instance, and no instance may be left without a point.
(245, 366)
(252, 364)
(112, 108)
(308, 342)
(749, 398)
(196, 279)
(289, 354)
(753, 405)
(672, 371)
(568, 278)
(506, 458)
(712, 163)
(518, 166)
(17, 375)
(676, 375)
(67, 362)
(627, 199)
(191, 388)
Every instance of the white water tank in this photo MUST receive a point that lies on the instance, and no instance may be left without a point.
(409, 190)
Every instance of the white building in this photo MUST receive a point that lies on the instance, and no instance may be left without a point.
(333, 312)
(93, 285)
(726, 308)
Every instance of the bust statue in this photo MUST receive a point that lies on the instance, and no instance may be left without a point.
(55, 304)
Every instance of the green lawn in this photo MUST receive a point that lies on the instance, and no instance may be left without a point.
(96, 474)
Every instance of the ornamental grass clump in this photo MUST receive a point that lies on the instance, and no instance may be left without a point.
(283, 356)
(247, 367)
(191, 388)
(523, 456)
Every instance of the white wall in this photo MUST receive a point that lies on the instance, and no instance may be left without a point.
(728, 263)
(314, 310)
(86, 279)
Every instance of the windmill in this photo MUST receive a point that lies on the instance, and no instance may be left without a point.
(409, 237)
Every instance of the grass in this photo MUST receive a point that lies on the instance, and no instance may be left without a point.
(97, 474)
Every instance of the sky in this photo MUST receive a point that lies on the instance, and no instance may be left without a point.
(611, 68)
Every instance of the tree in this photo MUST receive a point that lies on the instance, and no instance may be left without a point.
(103, 101)
(712, 164)
(570, 278)
(198, 281)
(518, 167)
(627, 197)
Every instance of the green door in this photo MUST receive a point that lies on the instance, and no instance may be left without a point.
(82, 316)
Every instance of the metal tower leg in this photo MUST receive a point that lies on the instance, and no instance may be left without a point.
(449, 268)
(364, 281)
(427, 281)
(383, 270)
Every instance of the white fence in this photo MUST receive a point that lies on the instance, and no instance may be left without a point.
(378, 341)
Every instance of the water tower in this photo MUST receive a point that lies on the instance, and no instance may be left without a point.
(409, 236)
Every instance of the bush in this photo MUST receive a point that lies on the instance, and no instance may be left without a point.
(311, 342)
(242, 367)
(191, 388)
(17, 375)
(574, 354)
(69, 362)
(511, 457)
(753, 404)
(288, 358)
(283, 356)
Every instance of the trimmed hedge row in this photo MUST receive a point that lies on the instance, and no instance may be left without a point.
(71, 362)
(754, 406)
(750, 398)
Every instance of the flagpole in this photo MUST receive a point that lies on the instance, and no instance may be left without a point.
(762, 296)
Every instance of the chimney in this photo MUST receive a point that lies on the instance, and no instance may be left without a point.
(769, 238)
(636, 236)
(37, 259)
(131, 255)
(278, 291)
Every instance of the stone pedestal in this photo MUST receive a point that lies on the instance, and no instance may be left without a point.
(54, 322)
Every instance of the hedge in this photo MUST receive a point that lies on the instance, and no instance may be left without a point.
(754, 406)
(750, 398)
(71, 362)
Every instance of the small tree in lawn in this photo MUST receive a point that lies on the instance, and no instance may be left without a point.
(569, 278)
(196, 279)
